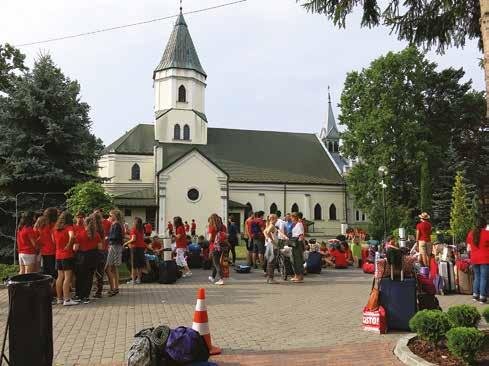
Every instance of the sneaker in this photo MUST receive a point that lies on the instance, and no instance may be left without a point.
(76, 299)
(272, 282)
(131, 282)
(482, 300)
(211, 279)
(54, 301)
(70, 302)
(86, 300)
(138, 281)
(189, 274)
(219, 283)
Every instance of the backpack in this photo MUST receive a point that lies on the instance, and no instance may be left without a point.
(313, 263)
(167, 272)
(148, 346)
(186, 345)
(255, 229)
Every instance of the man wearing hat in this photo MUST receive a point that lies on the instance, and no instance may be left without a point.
(423, 239)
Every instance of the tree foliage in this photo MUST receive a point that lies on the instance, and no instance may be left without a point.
(460, 217)
(432, 24)
(46, 140)
(401, 112)
(87, 197)
(11, 65)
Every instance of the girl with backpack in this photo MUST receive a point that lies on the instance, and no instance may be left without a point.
(217, 238)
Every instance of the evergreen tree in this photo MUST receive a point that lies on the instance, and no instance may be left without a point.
(46, 142)
(442, 190)
(460, 217)
(425, 187)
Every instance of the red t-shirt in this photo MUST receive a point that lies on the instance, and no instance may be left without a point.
(148, 228)
(479, 254)
(340, 258)
(424, 228)
(106, 225)
(24, 237)
(156, 245)
(85, 242)
(194, 226)
(139, 242)
(213, 232)
(248, 225)
(61, 238)
(182, 241)
(187, 228)
(48, 247)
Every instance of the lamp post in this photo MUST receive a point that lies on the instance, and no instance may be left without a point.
(383, 173)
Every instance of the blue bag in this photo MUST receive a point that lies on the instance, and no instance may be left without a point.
(399, 301)
(185, 345)
(242, 268)
(194, 248)
(313, 263)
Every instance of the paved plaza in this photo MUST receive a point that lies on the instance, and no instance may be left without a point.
(317, 322)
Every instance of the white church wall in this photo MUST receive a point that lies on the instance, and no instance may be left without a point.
(175, 183)
(165, 125)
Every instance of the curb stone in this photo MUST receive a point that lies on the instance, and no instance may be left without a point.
(405, 355)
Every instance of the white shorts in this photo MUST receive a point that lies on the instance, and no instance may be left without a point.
(27, 259)
(180, 259)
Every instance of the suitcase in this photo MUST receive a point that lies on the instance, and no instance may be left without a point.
(447, 273)
(167, 272)
(464, 280)
(194, 259)
(399, 301)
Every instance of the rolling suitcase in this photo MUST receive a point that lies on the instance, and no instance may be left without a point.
(194, 259)
(447, 273)
(167, 272)
(399, 301)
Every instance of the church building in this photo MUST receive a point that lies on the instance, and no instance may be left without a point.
(179, 166)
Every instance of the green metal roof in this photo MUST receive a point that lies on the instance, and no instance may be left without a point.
(245, 155)
(180, 50)
(142, 198)
(234, 204)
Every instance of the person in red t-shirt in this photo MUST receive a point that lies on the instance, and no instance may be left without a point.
(423, 239)
(64, 237)
(187, 227)
(193, 228)
(181, 245)
(26, 244)
(80, 221)
(148, 228)
(138, 246)
(170, 228)
(156, 246)
(103, 228)
(44, 227)
(89, 241)
(248, 239)
(339, 257)
(478, 240)
(257, 228)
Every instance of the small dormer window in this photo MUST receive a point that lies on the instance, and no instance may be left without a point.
(176, 132)
(182, 94)
(135, 172)
(336, 147)
(186, 132)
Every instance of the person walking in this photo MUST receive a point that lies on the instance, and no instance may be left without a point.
(271, 239)
(181, 245)
(297, 244)
(423, 239)
(137, 247)
(193, 228)
(217, 237)
(64, 237)
(114, 255)
(89, 241)
(478, 240)
(233, 232)
(26, 244)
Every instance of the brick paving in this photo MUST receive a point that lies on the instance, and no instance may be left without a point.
(314, 323)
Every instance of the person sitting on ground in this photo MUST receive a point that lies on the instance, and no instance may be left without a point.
(325, 255)
(189, 240)
(356, 251)
(156, 246)
(348, 253)
(338, 254)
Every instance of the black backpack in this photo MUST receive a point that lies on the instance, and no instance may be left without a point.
(428, 301)
(167, 272)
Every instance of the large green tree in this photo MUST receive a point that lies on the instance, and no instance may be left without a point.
(46, 143)
(400, 112)
(460, 215)
(11, 64)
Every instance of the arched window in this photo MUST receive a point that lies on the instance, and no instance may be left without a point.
(135, 172)
(332, 212)
(176, 132)
(273, 208)
(295, 208)
(363, 217)
(182, 94)
(318, 212)
(357, 215)
(186, 132)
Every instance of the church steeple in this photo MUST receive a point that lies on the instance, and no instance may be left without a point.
(329, 132)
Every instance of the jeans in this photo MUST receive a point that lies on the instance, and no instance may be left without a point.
(216, 264)
(481, 274)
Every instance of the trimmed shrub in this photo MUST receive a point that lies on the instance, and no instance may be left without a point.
(464, 316)
(485, 314)
(430, 325)
(465, 342)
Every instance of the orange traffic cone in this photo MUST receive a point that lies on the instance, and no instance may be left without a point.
(201, 322)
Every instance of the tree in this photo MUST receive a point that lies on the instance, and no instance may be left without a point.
(11, 63)
(432, 24)
(400, 112)
(46, 142)
(460, 218)
(425, 189)
(87, 197)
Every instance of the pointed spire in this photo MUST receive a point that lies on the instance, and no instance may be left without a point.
(330, 131)
(180, 51)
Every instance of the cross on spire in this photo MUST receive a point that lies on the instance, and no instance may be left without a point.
(329, 96)
(180, 6)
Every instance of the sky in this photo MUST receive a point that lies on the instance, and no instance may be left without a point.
(269, 62)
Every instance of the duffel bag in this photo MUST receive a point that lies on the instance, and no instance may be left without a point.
(185, 345)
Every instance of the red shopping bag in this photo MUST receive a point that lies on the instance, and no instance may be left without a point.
(375, 320)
